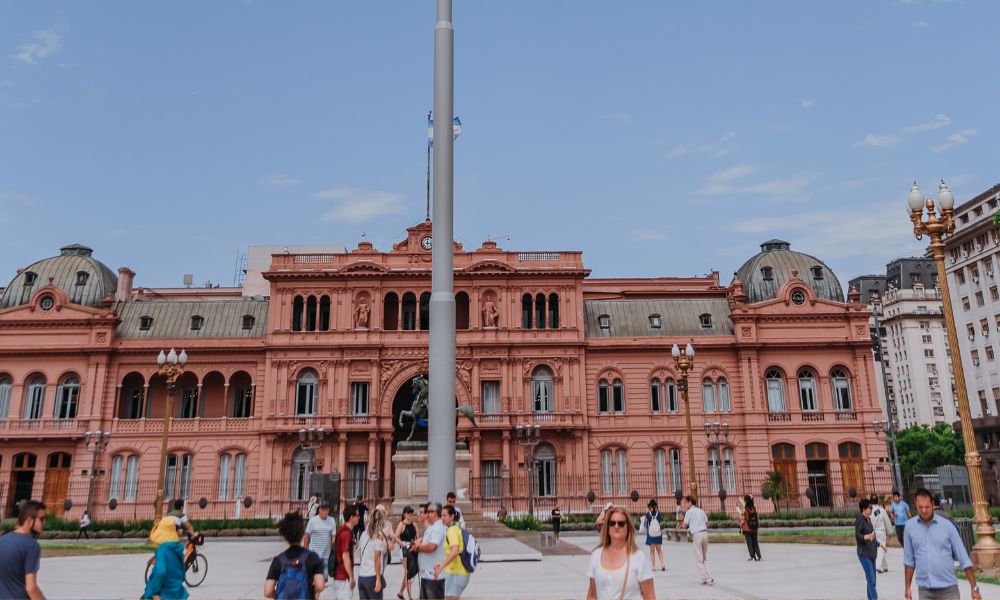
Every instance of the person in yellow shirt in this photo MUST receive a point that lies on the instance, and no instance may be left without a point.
(456, 577)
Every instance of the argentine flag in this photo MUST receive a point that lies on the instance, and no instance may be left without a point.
(456, 129)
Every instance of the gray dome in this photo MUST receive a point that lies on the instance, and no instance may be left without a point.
(766, 272)
(84, 279)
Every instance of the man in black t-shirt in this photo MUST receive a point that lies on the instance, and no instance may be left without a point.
(293, 529)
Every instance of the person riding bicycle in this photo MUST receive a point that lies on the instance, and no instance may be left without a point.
(166, 580)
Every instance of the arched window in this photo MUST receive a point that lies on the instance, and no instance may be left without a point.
(409, 311)
(553, 311)
(297, 306)
(303, 465)
(708, 395)
(807, 390)
(67, 397)
(542, 391)
(232, 475)
(841, 385)
(722, 394)
(34, 397)
(311, 314)
(545, 470)
(721, 470)
(603, 397)
(461, 311)
(618, 396)
(774, 381)
(540, 311)
(614, 471)
(6, 386)
(324, 313)
(307, 393)
(425, 311)
(526, 311)
(225, 466)
(390, 312)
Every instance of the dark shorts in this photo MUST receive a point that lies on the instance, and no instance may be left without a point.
(366, 589)
(432, 589)
(947, 593)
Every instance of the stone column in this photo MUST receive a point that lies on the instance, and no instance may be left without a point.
(476, 439)
(342, 455)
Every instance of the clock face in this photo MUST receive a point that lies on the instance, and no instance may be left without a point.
(426, 243)
(47, 303)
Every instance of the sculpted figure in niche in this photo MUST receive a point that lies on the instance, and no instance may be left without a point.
(361, 313)
(490, 314)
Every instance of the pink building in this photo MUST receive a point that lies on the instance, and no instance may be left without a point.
(781, 358)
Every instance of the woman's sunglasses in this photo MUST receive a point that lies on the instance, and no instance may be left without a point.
(617, 523)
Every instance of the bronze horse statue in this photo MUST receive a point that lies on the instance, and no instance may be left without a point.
(418, 410)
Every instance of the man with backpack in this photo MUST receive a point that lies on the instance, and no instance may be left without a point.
(342, 558)
(456, 574)
(297, 572)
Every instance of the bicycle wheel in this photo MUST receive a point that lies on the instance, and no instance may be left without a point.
(196, 571)
(149, 568)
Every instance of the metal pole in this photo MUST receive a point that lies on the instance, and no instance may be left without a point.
(441, 359)
(93, 475)
(690, 435)
(158, 506)
(895, 452)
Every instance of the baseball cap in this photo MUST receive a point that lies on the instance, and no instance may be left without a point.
(324, 504)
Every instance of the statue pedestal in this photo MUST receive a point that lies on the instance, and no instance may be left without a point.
(410, 465)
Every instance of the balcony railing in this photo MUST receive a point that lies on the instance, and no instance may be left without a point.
(813, 417)
(49, 426)
(777, 417)
(357, 420)
(490, 418)
(846, 415)
(196, 425)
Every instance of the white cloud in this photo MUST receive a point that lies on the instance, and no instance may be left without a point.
(718, 148)
(279, 181)
(877, 141)
(805, 103)
(939, 120)
(720, 182)
(678, 151)
(727, 182)
(920, 24)
(48, 43)
(355, 205)
(648, 235)
(956, 139)
(622, 118)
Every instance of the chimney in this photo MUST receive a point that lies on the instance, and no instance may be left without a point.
(125, 278)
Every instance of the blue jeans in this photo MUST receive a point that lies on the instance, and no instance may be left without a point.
(869, 566)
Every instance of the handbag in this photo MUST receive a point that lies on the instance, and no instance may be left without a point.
(628, 565)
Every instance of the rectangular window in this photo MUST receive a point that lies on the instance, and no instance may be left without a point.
(660, 467)
(975, 357)
(989, 353)
(69, 398)
(115, 481)
(225, 465)
(603, 398)
(928, 352)
(722, 388)
(621, 468)
(979, 299)
(542, 394)
(133, 405)
(965, 303)
(921, 310)
(131, 478)
(491, 397)
(671, 396)
(675, 469)
(970, 329)
(242, 402)
(714, 467)
(926, 339)
(189, 403)
(655, 404)
(807, 394)
(618, 396)
(305, 398)
(239, 476)
(607, 483)
(994, 293)
(925, 325)
(984, 326)
(357, 479)
(359, 398)
(490, 484)
(708, 396)
(5, 389)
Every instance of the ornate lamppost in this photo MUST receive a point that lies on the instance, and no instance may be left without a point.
(171, 368)
(684, 363)
(528, 437)
(885, 430)
(938, 224)
(717, 435)
(97, 443)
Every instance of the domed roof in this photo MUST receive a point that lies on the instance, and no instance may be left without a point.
(766, 272)
(84, 279)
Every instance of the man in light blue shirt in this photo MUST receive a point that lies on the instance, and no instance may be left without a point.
(901, 514)
(932, 545)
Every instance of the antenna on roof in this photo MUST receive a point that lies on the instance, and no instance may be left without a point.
(188, 279)
(491, 238)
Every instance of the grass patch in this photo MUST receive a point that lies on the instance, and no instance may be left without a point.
(828, 537)
(54, 549)
(979, 577)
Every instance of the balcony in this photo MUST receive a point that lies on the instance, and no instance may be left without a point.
(846, 415)
(491, 418)
(196, 425)
(778, 417)
(813, 417)
(42, 427)
(358, 419)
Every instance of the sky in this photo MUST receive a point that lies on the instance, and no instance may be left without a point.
(659, 138)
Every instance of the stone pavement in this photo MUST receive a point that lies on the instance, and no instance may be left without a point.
(237, 569)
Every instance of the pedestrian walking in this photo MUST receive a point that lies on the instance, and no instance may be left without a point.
(406, 534)
(362, 510)
(502, 513)
(451, 499)
(343, 549)
(880, 522)
(556, 521)
(84, 525)
(900, 514)
(374, 546)
(749, 525)
(298, 571)
(456, 576)
(389, 532)
(932, 545)
(653, 524)
(20, 554)
(312, 509)
(696, 522)
(319, 534)
(430, 551)
(867, 545)
(618, 570)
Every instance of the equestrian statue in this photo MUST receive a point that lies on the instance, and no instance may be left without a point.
(418, 409)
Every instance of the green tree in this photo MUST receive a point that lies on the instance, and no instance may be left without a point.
(776, 487)
(923, 450)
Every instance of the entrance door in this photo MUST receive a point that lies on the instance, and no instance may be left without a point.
(22, 481)
(57, 482)
(784, 462)
(818, 474)
(545, 470)
(851, 469)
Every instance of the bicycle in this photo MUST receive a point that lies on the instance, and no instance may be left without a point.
(195, 563)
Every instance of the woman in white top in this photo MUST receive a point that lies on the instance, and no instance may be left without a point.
(373, 546)
(618, 570)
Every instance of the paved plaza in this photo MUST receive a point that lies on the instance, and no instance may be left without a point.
(237, 569)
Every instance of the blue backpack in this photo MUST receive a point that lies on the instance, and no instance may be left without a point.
(471, 552)
(293, 583)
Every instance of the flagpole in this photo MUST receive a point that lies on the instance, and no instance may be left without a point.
(427, 216)
(441, 354)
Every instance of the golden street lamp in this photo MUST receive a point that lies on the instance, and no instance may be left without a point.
(684, 363)
(986, 552)
(171, 368)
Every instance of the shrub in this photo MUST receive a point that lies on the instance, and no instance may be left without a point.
(522, 523)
